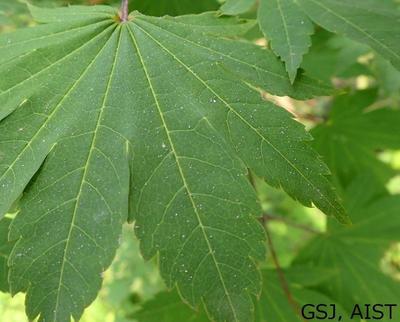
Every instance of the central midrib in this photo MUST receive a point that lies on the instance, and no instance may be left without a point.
(285, 27)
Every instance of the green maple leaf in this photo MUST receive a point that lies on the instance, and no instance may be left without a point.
(157, 114)
(288, 29)
(372, 22)
(356, 253)
(352, 135)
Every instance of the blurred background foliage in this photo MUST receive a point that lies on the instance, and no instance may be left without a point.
(357, 132)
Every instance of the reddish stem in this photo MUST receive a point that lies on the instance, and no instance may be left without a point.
(281, 275)
(124, 10)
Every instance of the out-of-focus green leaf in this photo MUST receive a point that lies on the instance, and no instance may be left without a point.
(173, 7)
(129, 281)
(235, 7)
(274, 304)
(372, 22)
(333, 55)
(304, 276)
(130, 273)
(387, 75)
(12, 13)
(348, 140)
(168, 307)
(356, 252)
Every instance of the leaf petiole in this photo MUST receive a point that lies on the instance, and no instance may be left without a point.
(124, 12)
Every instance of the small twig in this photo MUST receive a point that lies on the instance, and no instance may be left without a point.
(269, 217)
(124, 10)
(281, 274)
(284, 284)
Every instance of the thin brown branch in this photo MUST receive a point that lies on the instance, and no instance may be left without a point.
(282, 278)
(284, 284)
(124, 12)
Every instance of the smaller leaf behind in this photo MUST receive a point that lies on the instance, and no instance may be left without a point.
(372, 22)
(288, 29)
(274, 304)
(355, 252)
(173, 7)
(352, 135)
(168, 307)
